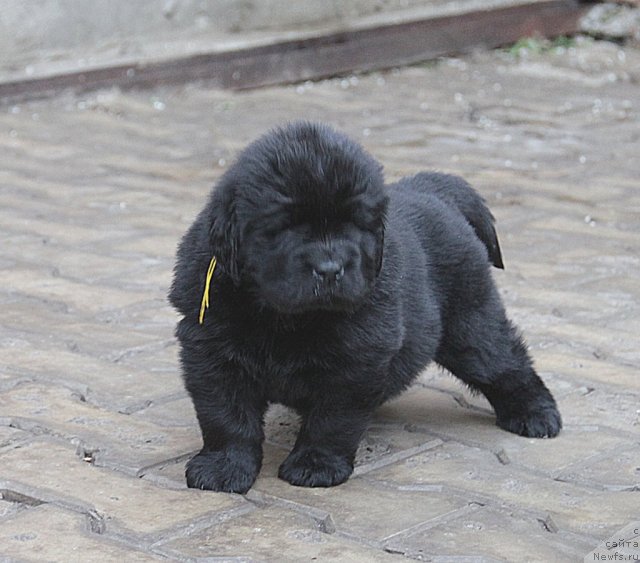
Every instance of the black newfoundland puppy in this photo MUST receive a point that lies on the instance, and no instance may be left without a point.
(308, 282)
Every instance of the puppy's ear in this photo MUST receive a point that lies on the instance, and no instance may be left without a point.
(224, 230)
(381, 212)
(379, 249)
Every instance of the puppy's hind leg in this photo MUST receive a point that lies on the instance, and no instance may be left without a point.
(486, 352)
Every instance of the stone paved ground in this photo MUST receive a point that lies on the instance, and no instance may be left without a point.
(95, 426)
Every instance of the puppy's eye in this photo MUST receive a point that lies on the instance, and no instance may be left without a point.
(271, 233)
(303, 229)
(345, 229)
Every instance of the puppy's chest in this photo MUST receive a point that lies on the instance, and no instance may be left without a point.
(292, 362)
(282, 355)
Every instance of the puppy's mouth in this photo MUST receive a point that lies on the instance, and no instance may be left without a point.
(326, 301)
(321, 298)
(327, 289)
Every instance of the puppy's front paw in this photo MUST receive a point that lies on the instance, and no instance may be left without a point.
(314, 467)
(542, 421)
(228, 470)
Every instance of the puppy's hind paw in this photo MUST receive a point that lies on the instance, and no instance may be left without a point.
(229, 471)
(541, 422)
(314, 467)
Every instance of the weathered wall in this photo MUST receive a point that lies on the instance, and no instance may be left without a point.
(41, 39)
(47, 27)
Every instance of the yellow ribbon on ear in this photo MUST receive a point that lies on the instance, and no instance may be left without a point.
(205, 297)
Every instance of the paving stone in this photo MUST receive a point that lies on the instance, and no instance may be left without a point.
(435, 412)
(381, 444)
(491, 533)
(584, 367)
(81, 335)
(9, 381)
(281, 426)
(281, 423)
(126, 388)
(590, 336)
(616, 471)
(7, 508)
(384, 444)
(80, 265)
(126, 505)
(176, 410)
(34, 535)
(96, 192)
(171, 472)
(9, 436)
(112, 439)
(270, 533)
(77, 295)
(615, 408)
(574, 444)
(353, 512)
(437, 379)
(492, 478)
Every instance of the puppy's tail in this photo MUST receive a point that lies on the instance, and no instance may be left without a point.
(456, 192)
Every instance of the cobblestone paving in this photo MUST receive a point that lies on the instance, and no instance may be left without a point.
(95, 426)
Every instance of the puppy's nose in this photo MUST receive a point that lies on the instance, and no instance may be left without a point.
(328, 271)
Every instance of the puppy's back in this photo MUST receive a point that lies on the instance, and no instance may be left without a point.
(459, 196)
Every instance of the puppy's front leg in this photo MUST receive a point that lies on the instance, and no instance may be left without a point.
(326, 446)
(231, 421)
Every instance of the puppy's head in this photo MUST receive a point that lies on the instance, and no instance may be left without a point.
(299, 220)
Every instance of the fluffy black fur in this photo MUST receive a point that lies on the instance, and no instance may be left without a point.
(332, 292)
